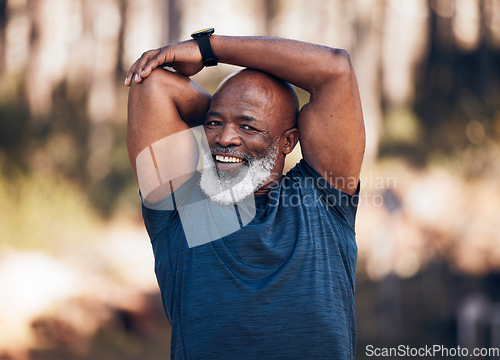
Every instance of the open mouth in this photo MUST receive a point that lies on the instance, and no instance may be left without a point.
(228, 159)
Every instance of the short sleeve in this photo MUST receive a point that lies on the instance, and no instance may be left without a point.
(158, 215)
(345, 205)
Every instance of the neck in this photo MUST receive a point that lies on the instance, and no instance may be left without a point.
(273, 180)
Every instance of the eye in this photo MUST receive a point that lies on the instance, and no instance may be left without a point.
(213, 123)
(248, 128)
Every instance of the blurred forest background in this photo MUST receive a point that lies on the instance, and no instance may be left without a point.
(76, 269)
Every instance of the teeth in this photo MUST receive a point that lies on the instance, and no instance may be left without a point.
(229, 159)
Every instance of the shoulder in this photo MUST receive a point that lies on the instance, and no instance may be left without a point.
(304, 177)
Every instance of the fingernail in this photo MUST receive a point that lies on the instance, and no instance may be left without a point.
(126, 80)
(143, 72)
(136, 77)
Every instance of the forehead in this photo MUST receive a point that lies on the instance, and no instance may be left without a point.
(243, 90)
(245, 95)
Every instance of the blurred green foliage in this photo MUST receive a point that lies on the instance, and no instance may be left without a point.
(42, 211)
(48, 194)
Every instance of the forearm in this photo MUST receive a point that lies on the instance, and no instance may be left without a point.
(305, 65)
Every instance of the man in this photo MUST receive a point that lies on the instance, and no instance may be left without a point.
(281, 284)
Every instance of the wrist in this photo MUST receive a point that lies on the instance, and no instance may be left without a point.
(202, 37)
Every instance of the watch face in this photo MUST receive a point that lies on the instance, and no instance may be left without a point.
(203, 32)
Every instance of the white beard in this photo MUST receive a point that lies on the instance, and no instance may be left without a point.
(225, 189)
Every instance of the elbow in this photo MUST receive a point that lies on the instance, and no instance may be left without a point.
(335, 67)
(339, 63)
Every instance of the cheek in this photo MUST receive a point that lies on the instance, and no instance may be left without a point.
(258, 147)
(211, 136)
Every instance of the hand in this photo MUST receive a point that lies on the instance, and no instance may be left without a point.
(183, 57)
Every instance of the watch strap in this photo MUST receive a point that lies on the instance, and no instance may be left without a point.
(207, 54)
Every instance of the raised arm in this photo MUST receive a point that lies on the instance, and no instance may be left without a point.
(161, 148)
(331, 125)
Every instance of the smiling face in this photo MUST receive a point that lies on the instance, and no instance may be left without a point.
(247, 115)
(250, 127)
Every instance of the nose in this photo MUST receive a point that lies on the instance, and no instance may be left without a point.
(228, 136)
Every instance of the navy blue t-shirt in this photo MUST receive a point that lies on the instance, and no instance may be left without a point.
(280, 287)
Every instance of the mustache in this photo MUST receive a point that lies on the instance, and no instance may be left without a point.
(229, 151)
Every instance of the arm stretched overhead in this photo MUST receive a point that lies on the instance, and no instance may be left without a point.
(331, 126)
(163, 152)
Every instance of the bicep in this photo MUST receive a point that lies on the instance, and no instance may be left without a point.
(163, 150)
(332, 133)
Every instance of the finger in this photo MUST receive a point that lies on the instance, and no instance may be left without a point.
(130, 74)
(144, 59)
(158, 60)
(141, 62)
(136, 68)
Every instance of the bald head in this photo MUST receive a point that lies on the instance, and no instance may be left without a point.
(256, 86)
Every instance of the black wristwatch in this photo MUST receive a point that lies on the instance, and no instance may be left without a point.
(203, 39)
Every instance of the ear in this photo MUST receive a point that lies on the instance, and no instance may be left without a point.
(289, 140)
